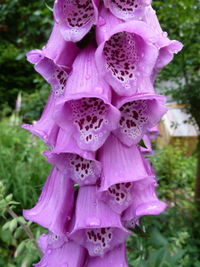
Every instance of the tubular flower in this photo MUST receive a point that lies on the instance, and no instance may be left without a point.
(153, 132)
(128, 9)
(55, 205)
(145, 202)
(58, 250)
(138, 113)
(96, 226)
(75, 18)
(114, 258)
(118, 182)
(126, 58)
(167, 48)
(54, 65)
(77, 164)
(45, 128)
(87, 98)
(55, 60)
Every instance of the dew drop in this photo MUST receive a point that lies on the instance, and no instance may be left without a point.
(87, 77)
(101, 21)
(93, 222)
(49, 251)
(164, 34)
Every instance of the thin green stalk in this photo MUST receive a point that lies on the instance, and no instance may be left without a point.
(25, 228)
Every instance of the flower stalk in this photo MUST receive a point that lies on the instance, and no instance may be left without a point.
(102, 105)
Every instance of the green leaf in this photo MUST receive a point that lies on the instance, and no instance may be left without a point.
(157, 239)
(142, 144)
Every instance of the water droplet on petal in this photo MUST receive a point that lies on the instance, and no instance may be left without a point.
(93, 222)
(87, 77)
(68, 218)
(49, 251)
(101, 21)
(164, 34)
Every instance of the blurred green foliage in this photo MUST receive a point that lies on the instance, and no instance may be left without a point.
(23, 170)
(23, 26)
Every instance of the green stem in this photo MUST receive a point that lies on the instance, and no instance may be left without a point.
(25, 228)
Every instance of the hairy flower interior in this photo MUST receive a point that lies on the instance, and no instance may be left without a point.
(90, 118)
(78, 13)
(100, 237)
(61, 79)
(82, 169)
(134, 115)
(121, 56)
(120, 192)
(126, 6)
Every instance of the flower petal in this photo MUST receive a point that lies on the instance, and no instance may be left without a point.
(127, 167)
(138, 113)
(114, 258)
(167, 48)
(127, 10)
(127, 57)
(96, 226)
(67, 254)
(145, 202)
(79, 165)
(54, 207)
(45, 128)
(75, 18)
(87, 98)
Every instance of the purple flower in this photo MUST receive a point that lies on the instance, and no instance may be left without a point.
(58, 251)
(145, 202)
(117, 181)
(126, 57)
(96, 226)
(128, 9)
(153, 132)
(138, 113)
(167, 48)
(54, 61)
(45, 128)
(114, 258)
(87, 98)
(54, 207)
(75, 18)
(77, 164)
(61, 52)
